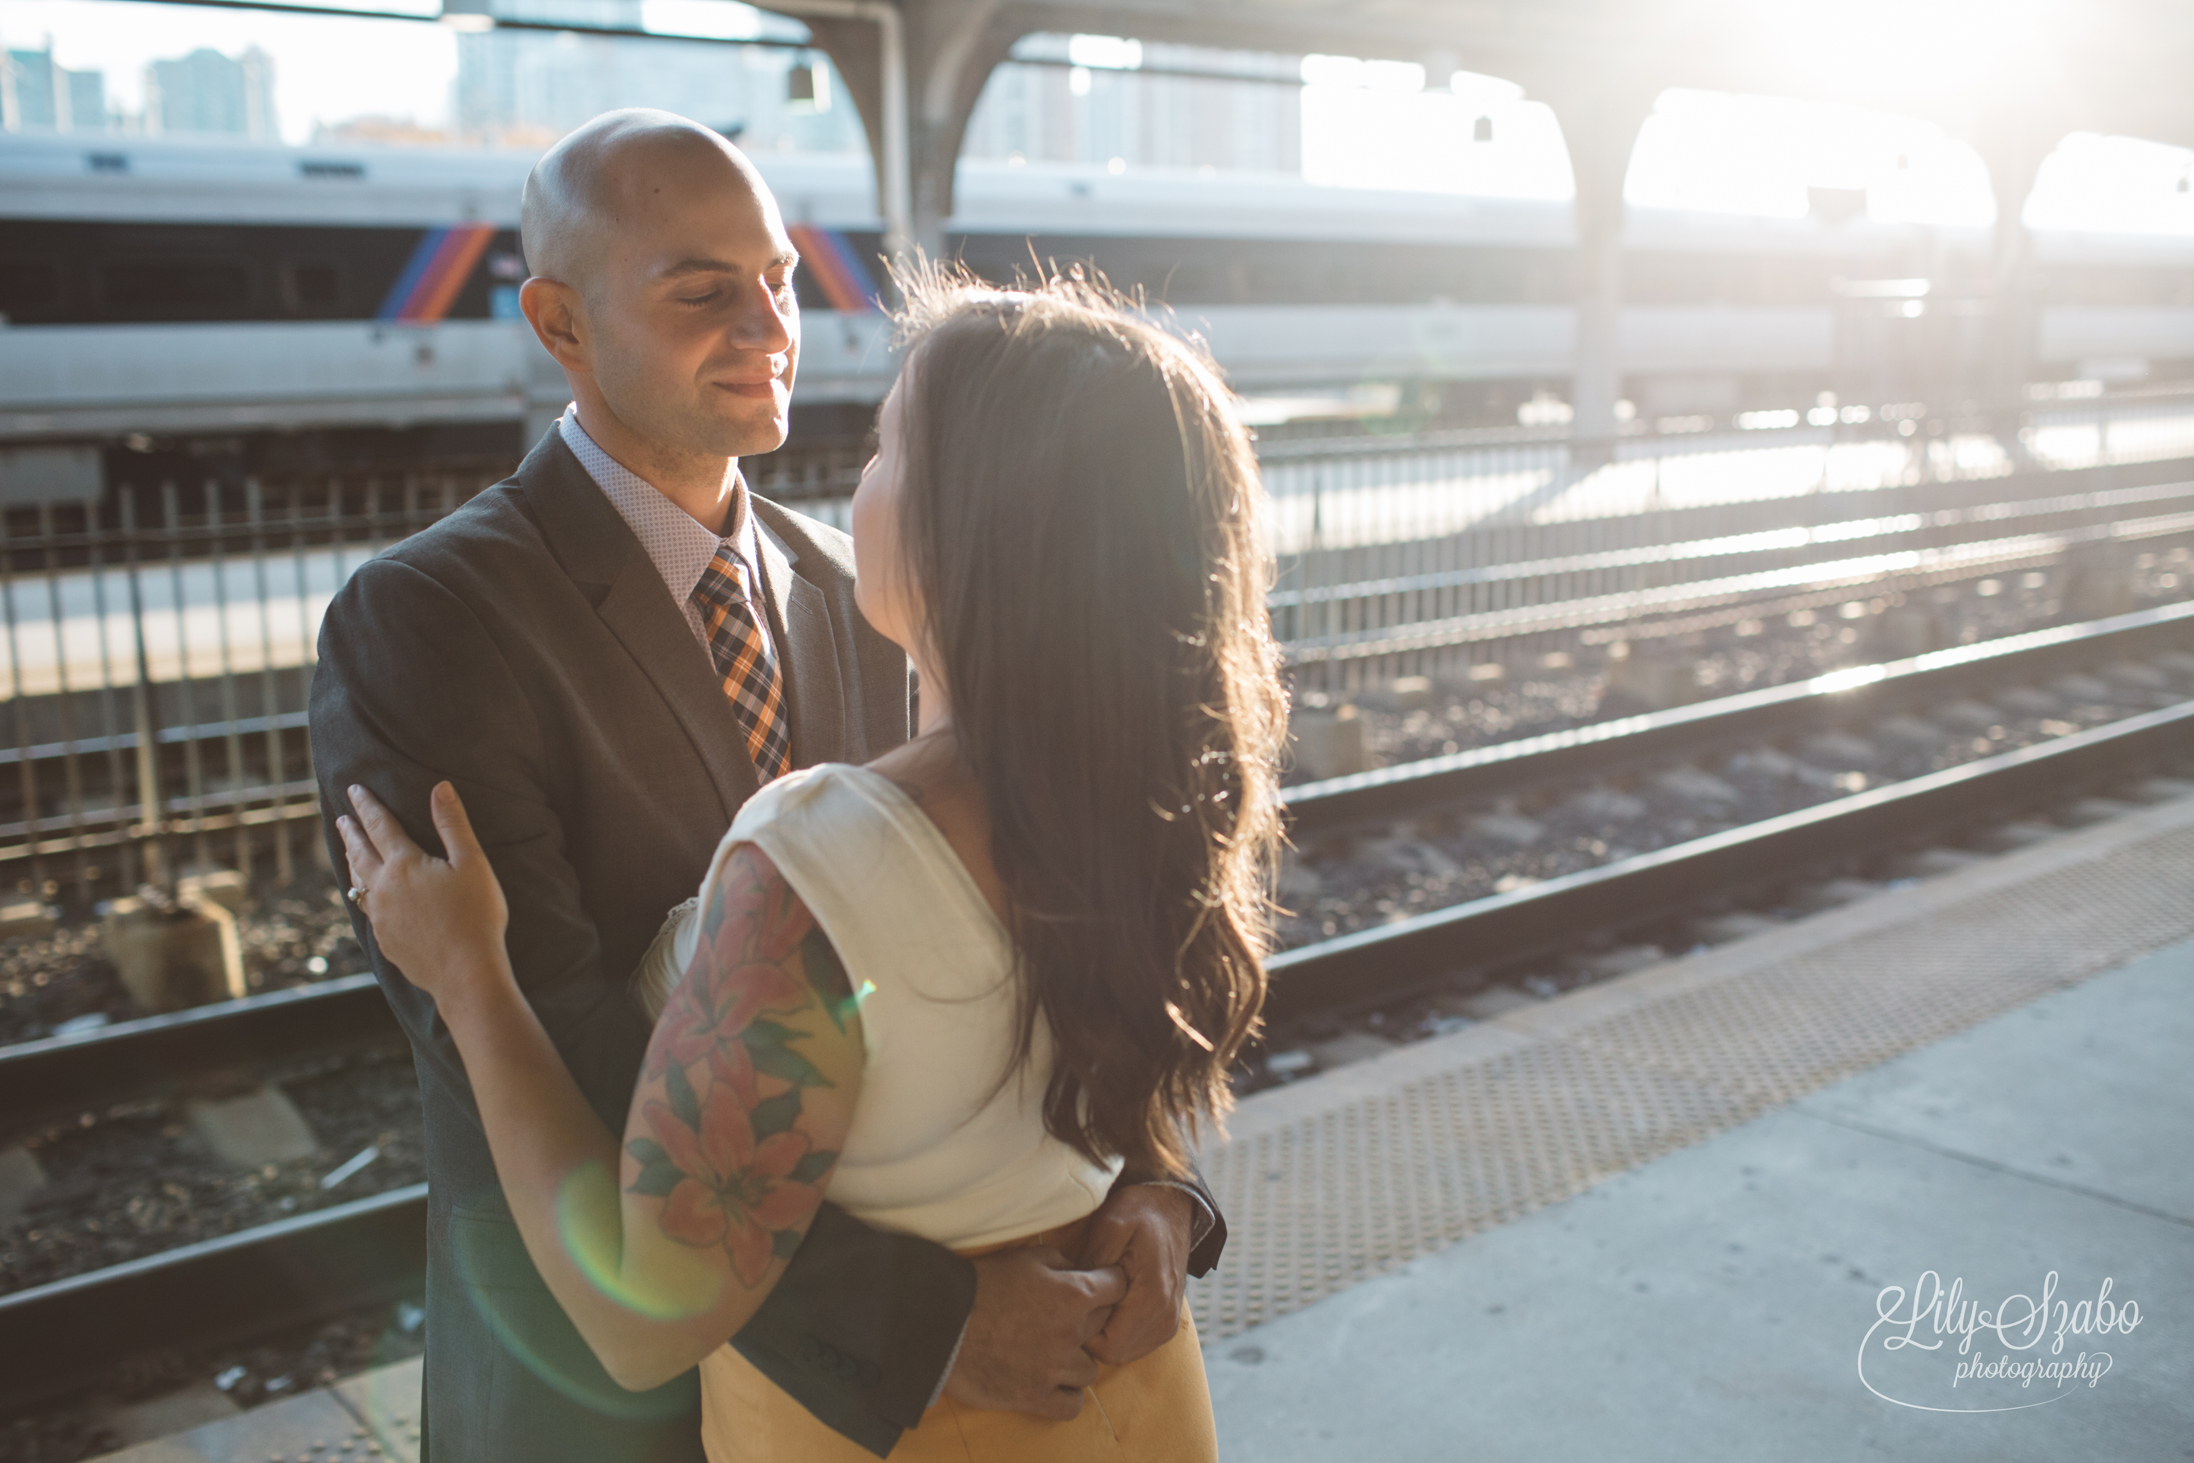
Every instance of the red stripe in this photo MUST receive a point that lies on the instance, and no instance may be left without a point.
(817, 252)
(436, 262)
(446, 275)
(859, 292)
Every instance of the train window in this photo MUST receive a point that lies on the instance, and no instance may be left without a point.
(1657, 277)
(311, 286)
(30, 289)
(2118, 285)
(107, 162)
(176, 285)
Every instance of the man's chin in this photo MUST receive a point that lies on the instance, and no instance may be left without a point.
(750, 435)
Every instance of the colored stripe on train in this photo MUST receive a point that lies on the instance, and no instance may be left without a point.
(844, 279)
(440, 264)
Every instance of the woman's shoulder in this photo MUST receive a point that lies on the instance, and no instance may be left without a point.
(827, 801)
(837, 829)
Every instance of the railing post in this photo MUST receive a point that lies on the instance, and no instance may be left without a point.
(152, 830)
(270, 701)
(28, 771)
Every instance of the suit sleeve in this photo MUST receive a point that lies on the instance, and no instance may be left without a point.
(1204, 1253)
(412, 689)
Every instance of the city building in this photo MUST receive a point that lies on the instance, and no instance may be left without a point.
(206, 91)
(36, 91)
(529, 87)
(1128, 104)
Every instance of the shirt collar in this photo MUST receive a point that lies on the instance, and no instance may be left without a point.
(680, 547)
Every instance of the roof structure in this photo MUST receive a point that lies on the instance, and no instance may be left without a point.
(2010, 77)
(2114, 66)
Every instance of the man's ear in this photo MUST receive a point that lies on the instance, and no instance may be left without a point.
(558, 318)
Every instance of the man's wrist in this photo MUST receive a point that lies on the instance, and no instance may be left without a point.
(944, 1378)
(1200, 1215)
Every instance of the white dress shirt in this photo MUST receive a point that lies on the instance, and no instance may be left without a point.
(680, 546)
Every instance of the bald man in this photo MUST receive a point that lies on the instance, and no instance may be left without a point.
(607, 654)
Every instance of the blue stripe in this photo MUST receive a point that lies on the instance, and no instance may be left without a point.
(851, 259)
(392, 308)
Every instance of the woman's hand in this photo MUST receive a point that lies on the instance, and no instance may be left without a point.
(440, 921)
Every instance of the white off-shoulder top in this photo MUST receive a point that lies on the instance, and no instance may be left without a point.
(939, 1146)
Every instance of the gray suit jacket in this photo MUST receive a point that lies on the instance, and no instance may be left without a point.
(526, 649)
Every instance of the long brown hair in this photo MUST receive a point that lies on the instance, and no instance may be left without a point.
(1083, 518)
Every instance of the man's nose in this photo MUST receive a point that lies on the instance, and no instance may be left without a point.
(769, 322)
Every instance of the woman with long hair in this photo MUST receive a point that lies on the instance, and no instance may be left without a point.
(959, 987)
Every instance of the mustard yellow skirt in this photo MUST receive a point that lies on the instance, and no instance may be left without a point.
(1155, 1410)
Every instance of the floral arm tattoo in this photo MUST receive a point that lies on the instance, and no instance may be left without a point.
(748, 1086)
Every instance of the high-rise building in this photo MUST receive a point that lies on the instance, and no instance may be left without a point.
(1142, 104)
(209, 92)
(529, 87)
(37, 92)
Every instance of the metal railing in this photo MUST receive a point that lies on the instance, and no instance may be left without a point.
(1424, 552)
(158, 645)
(156, 657)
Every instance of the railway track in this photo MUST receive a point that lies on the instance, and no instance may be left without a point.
(1414, 559)
(1837, 698)
(54, 1336)
(1715, 565)
(1466, 945)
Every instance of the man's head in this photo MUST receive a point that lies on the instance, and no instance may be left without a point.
(662, 283)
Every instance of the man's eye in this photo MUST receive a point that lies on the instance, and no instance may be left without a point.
(699, 299)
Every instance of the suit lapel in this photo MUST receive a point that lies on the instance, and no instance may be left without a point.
(800, 623)
(639, 612)
(596, 547)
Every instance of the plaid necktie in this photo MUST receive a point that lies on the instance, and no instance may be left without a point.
(743, 659)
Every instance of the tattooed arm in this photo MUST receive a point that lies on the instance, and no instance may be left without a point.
(662, 1246)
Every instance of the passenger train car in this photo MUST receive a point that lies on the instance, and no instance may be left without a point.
(261, 307)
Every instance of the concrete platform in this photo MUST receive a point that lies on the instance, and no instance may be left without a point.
(1716, 1303)
(373, 1418)
(1659, 1218)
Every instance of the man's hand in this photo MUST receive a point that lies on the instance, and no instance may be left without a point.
(1023, 1347)
(1143, 1229)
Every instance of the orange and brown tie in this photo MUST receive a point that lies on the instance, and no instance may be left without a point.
(743, 658)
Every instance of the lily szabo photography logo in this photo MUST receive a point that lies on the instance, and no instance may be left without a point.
(1936, 1350)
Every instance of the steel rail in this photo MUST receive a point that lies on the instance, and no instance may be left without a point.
(1853, 530)
(61, 1076)
(1485, 935)
(1905, 568)
(1509, 767)
(57, 1339)
(58, 1077)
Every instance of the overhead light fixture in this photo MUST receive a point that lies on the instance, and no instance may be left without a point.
(807, 86)
(1106, 53)
(1882, 289)
(468, 17)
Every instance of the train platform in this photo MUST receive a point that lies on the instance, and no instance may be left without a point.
(1665, 1217)
(371, 1418)
(1655, 1218)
